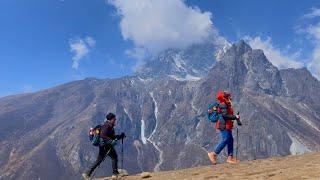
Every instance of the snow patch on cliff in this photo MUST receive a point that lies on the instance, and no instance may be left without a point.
(143, 127)
(157, 167)
(126, 111)
(220, 52)
(193, 107)
(297, 147)
(188, 77)
(178, 61)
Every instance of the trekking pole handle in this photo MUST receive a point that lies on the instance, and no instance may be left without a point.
(238, 119)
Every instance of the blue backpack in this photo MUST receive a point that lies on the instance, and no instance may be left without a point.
(213, 114)
(94, 135)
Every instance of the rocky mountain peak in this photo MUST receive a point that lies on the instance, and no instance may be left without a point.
(241, 52)
(249, 68)
(191, 63)
(239, 48)
(242, 46)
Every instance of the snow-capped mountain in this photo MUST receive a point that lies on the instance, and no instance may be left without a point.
(189, 64)
(44, 134)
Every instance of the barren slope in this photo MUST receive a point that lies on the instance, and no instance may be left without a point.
(290, 167)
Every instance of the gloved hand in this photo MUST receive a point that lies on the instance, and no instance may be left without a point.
(239, 122)
(122, 135)
(238, 119)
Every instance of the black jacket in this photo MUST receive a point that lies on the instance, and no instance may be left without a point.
(107, 132)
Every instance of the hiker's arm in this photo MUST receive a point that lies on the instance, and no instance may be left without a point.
(225, 114)
(230, 117)
(120, 136)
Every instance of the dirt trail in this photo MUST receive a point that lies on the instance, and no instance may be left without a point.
(290, 167)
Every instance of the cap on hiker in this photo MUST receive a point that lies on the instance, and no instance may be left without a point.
(223, 96)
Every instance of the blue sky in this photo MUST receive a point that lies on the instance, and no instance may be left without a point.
(41, 40)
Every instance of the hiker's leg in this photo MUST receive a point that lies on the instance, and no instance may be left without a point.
(114, 156)
(230, 144)
(223, 142)
(101, 155)
(230, 158)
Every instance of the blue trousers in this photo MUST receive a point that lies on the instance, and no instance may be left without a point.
(226, 140)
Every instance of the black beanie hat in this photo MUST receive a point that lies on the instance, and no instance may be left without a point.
(110, 116)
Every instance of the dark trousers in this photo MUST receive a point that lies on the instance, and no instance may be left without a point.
(103, 152)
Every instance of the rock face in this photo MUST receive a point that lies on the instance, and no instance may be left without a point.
(44, 134)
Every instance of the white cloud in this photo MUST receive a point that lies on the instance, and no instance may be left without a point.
(136, 53)
(279, 58)
(139, 65)
(91, 42)
(80, 48)
(314, 64)
(315, 12)
(156, 25)
(313, 32)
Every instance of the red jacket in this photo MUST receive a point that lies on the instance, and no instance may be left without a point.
(225, 108)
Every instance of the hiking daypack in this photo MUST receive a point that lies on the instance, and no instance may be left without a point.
(94, 135)
(214, 116)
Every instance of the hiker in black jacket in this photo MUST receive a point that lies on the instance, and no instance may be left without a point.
(109, 140)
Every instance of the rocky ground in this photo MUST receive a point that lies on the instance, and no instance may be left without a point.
(290, 167)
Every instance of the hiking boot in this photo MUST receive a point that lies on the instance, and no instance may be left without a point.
(115, 172)
(213, 157)
(123, 172)
(86, 176)
(114, 177)
(232, 160)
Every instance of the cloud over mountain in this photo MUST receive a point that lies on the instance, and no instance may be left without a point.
(276, 56)
(309, 27)
(162, 24)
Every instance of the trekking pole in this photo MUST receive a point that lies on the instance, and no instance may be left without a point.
(122, 154)
(239, 123)
(237, 143)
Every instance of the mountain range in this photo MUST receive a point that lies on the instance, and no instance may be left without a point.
(162, 108)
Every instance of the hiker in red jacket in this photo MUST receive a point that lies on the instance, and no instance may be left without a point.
(225, 127)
